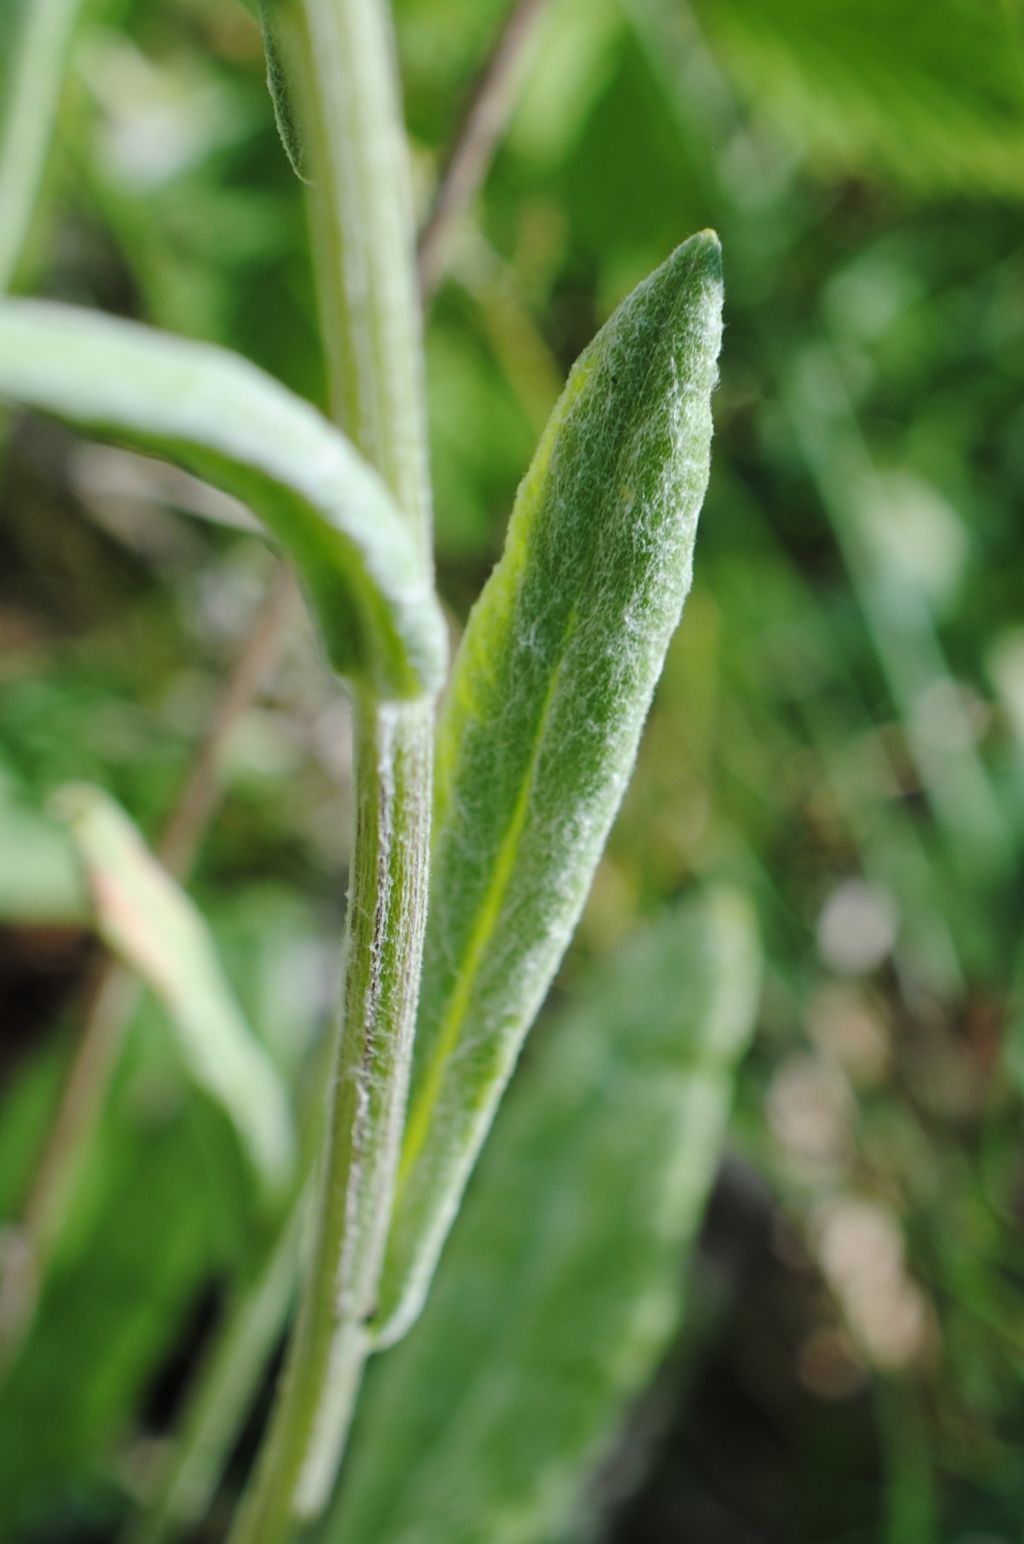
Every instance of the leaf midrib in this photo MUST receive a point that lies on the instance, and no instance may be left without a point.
(483, 929)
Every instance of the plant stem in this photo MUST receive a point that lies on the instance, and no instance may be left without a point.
(341, 58)
(363, 243)
(467, 165)
(386, 906)
(200, 791)
(475, 140)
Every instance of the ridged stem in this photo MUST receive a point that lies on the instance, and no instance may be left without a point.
(342, 61)
(339, 56)
(387, 903)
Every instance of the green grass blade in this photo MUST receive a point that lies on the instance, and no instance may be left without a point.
(151, 924)
(549, 694)
(221, 417)
(35, 36)
(561, 1287)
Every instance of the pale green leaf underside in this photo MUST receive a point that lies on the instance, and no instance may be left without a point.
(154, 928)
(563, 1280)
(539, 734)
(216, 414)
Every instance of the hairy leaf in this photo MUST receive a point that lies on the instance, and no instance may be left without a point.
(563, 1281)
(285, 116)
(549, 694)
(147, 920)
(222, 418)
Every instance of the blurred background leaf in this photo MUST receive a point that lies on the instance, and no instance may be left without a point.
(146, 919)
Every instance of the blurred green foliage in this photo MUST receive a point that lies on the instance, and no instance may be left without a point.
(840, 728)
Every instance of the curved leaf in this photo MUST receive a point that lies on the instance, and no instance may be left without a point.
(549, 694)
(564, 1279)
(218, 415)
(285, 116)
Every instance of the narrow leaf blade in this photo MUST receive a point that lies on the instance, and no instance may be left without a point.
(549, 694)
(285, 116)
(216, 414)
(35, 36)
(563, 1282)
(152, 925)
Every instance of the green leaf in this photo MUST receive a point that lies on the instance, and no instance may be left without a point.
(218, 415)
(549, 694)
(562, 1284)
(285, 115)
(152, 925)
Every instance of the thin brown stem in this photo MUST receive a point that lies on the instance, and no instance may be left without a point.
(110, 998)
(475, 141)
(200, 791)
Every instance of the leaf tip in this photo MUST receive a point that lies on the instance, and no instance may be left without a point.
(700, 257)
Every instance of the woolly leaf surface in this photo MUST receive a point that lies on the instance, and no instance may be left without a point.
(549, 693)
